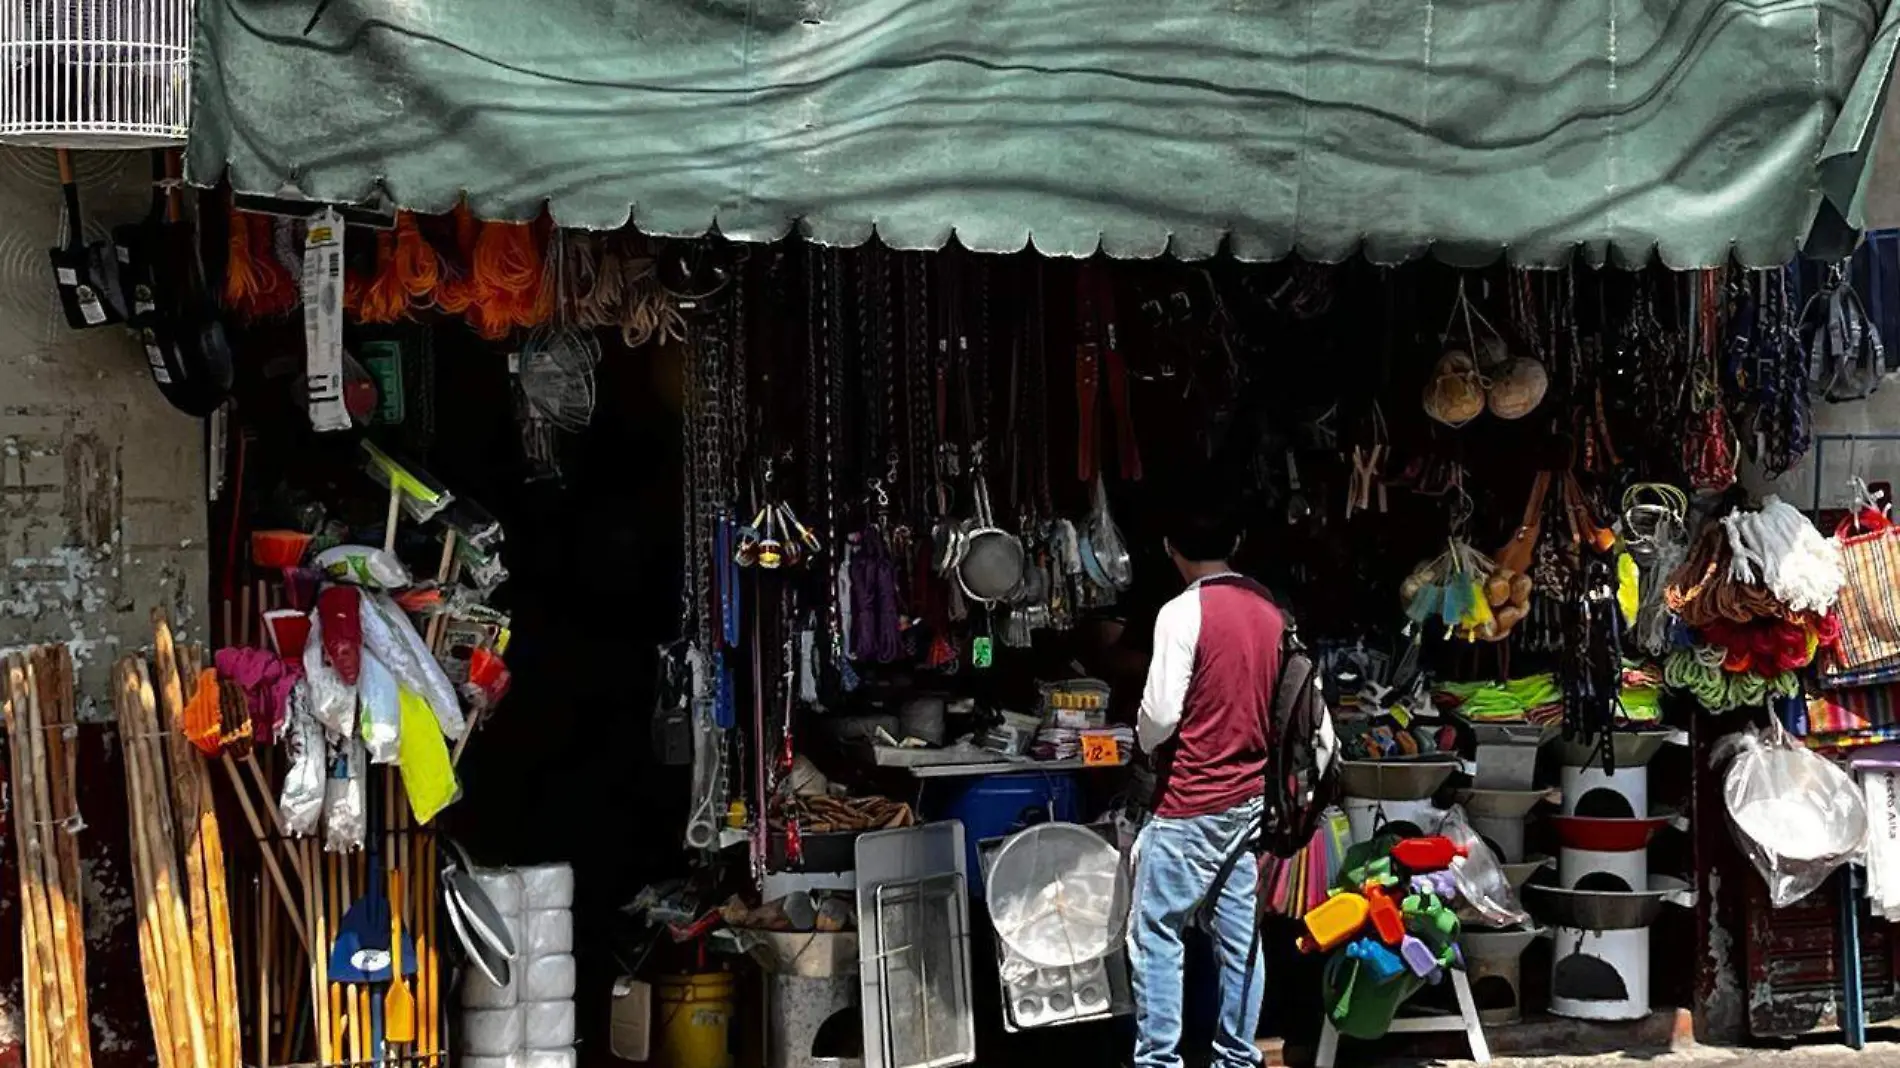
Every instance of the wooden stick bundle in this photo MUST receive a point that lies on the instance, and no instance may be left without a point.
(59, 758)
(38, 704)
(172, 992)
(213, 955)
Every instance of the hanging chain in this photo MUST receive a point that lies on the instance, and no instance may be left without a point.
(870, 369)
(885, 345)
(738, 375)
(692, 396)
(917, 379)
(816, 377)
(714, 436)
(831, 298)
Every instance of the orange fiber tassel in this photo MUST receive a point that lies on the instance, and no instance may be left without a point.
(418, 267)
(240, 287)
(276, 289)
(353, 287)
(508, 273)
(385, 300)
(458, 290)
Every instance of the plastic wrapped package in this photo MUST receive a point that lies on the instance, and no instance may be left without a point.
(547, 932)
(301, 804)
(547, 886)
(332, 701)
(1793, 812)
(388, 633)
(512, 1060)
(549, 1058)
(363, 565)
(1482, 883)
(493, 1032)
(548, 978)
(343, 800)
(503, 887)
(381, 703)
(479, 993)
(548, 1024)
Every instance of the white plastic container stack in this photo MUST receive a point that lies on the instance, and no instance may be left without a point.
(530, 1022)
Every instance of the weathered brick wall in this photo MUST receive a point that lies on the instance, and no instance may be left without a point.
(102, 517)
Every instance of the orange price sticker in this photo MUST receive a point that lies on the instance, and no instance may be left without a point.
(1100, 749)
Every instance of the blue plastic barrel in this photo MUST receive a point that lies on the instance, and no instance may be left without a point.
(994, 806)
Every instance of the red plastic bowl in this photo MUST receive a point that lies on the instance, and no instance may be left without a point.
(1607, 836)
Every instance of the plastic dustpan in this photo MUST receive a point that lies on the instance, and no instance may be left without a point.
(361, 952)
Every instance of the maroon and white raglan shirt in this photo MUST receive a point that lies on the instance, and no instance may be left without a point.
(1209, 696)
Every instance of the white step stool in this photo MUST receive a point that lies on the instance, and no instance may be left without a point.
(1466, 1021)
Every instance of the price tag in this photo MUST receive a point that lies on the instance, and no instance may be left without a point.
(982, 652)
(1099, 750)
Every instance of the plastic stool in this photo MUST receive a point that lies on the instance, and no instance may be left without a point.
(1467, 1021)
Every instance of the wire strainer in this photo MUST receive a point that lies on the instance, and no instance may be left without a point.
(557, 377)
(1058, 895)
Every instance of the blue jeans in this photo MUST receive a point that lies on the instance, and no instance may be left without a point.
(1176, 863)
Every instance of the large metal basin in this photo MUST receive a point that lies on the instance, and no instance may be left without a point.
(1633, 749)
(1531, 734)
(1519, 874)
(1605, 910)
(1395, 780)
(1481, 944)
(1501, 804)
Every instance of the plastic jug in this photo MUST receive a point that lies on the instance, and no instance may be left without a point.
(1426, 854)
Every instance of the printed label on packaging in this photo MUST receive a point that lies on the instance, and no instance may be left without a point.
(323, 322)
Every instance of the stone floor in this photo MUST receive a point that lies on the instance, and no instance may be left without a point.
(1816, 1055)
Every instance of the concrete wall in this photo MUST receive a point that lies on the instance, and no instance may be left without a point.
(102, 484)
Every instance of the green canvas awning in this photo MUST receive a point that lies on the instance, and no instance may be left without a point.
(1696, 129)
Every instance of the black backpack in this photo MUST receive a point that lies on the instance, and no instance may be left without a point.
(1302, 769)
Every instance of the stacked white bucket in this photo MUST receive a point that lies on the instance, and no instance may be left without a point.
(530, 1022)
(1592, 966)
(1498, 804)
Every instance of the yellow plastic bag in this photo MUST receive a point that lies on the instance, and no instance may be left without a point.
(427, 774)
(1628, 594)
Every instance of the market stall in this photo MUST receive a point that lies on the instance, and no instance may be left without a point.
(919, 503)
(865, 544)
(798, 726)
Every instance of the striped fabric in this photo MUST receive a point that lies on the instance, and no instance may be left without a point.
(1869, 607)
(1850, 711)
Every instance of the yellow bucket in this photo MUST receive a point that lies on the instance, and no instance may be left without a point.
(694, 1026)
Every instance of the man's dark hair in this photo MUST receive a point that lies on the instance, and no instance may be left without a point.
(1201, 530)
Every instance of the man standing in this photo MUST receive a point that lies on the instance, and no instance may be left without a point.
(1204, 721)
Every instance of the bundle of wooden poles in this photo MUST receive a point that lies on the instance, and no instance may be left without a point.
(38, 704)
(184, 914)
(203, 991)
